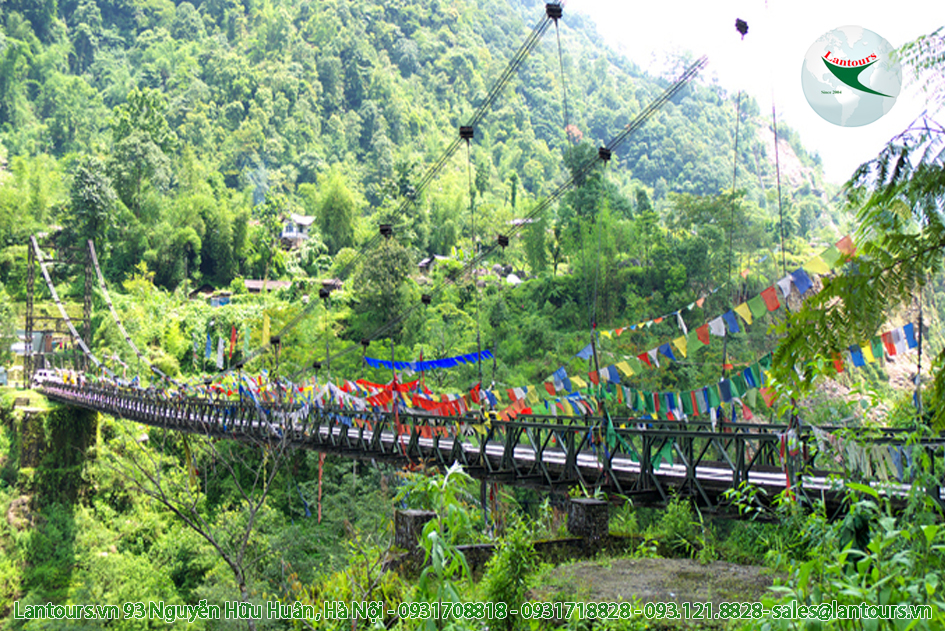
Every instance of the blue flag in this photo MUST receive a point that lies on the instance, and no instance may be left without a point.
(209, 352)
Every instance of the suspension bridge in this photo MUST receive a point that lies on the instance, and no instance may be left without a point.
(645, 460)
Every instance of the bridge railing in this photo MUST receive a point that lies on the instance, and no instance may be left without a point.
(631, 456)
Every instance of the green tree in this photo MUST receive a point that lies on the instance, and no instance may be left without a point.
(337, 209)
(141, 138)
(144, 112)
(270, 215)
(86, 33)
(536, 250)
(384, 288)
(92, 200)
(900, 245)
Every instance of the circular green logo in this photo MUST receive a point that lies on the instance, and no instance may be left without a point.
(851, 76)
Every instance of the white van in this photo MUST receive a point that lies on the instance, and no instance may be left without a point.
(45, 376)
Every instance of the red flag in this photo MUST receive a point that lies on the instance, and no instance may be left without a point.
(746, 412)
(769, 395)
(233, 336)
(838, 362)
(594, 377)
(550, 387)
(846, 246)
(770, 297)
(645, 358)
(703, 333)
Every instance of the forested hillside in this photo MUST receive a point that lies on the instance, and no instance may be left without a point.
(180, 137)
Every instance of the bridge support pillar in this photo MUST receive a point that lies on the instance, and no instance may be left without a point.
(588, 518)
(408, 527)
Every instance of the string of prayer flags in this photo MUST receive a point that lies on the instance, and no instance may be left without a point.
(420, 366)
(820, 264)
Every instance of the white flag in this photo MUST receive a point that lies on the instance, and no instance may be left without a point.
(221, 346)
(717, 327)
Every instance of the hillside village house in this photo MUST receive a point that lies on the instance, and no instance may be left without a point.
(296, 229)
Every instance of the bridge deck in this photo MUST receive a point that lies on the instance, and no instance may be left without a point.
(647, 461)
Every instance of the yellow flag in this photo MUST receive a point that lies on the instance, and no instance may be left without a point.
(868, 353)
(624, 368)
(817, 265)
(744, 312)
(680, 343)
(265, 331)
(577, 381)
(607, 334)
(533, 395)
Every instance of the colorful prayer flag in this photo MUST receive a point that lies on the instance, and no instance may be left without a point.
(770, 296)
(744, 311)
(801, 280)
(846, 246)
(758, 306)
(817, 266)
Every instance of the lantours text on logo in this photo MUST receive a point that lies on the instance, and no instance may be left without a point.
(848, 63)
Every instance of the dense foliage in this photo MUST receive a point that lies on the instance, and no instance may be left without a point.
(181, 137)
